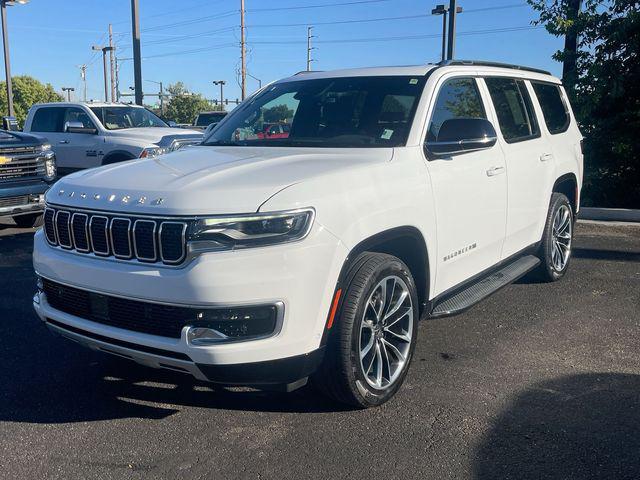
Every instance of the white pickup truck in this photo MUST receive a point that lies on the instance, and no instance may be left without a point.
(85, 135)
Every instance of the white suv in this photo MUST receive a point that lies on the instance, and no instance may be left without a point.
(398, 193)
(85, 135)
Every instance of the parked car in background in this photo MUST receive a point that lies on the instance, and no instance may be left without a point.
(27, 168)
(85, 135)
(399, 193)
(274, 130)
(204, 119)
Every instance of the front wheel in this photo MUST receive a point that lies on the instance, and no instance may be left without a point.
(555, 250)
(369, 352)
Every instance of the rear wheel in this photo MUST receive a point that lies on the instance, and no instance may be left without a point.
(369, 352)
(29, 220)
(555, 250)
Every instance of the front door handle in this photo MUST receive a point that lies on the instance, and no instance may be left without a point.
(492, 172)
(63, 141)
(545, 157)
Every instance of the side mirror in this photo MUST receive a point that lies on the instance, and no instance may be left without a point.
(172, 124)
(462, 135)
(78, 127)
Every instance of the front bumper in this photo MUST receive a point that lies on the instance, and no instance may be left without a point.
(301, 275)
(21, 199)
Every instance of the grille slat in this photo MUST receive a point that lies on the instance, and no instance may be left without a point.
(62, 229)
(24, 162)
(125, 238)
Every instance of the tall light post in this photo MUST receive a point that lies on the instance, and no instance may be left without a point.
(104, 66)
(161, 95)
(222, 83)
(5, 41)
(68, 90)
(442, 10)
(256, 79)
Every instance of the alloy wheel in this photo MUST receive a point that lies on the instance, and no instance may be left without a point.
(562, 234)
(385, 332)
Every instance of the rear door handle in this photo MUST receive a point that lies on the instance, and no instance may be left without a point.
(545, 157)
(63, 141)
(492, 172)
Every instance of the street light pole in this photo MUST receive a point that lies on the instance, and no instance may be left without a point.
(222, 83)
(137, 57)
(68, 90)
(442, 10)
(160, 95)
(104, 65)
(5, 43)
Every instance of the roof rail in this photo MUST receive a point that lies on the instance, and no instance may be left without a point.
(483, 63)
(304, 72)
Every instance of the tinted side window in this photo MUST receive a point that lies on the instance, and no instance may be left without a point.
(513, 105)
(457, 98)
(554, 110)
(48, 119)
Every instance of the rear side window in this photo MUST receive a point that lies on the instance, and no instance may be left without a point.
(457, 98)
(554, 110)
(48, 119)
(514, 109)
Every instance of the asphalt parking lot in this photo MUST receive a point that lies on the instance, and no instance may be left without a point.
(540, 381)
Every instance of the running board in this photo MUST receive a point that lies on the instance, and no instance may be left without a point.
(485, 286)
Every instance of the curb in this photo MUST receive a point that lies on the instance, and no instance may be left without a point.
(609, 214)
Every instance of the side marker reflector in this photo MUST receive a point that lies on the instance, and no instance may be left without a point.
(334, 308)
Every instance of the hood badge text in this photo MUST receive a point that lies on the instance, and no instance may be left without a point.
(124, 199)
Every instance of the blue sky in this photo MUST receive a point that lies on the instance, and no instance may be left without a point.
(49, 39)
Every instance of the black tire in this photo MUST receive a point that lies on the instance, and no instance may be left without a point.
(28, 221)
(548, 271)
(341, 375)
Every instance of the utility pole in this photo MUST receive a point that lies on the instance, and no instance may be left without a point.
(68, 90)
(453, 11)
(309, 48)
(569, 67)
(83, 76)
(117, 79)
(222, 83)
(137, 59)
(112, 64)
(243, 55)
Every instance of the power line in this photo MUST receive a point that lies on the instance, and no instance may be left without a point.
(404, 37)
(303, 7)
(379, 19)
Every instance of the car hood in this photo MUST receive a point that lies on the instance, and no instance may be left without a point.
(205, 180)
(154, 135)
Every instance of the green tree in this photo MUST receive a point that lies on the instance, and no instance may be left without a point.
(277, 114)
(604, 90)
(184, 106)
(26, 92)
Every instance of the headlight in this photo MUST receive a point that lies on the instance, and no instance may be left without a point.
(49, 161)
(151, 152)
(254, 230)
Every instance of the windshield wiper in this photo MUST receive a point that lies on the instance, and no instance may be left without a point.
(223, 143)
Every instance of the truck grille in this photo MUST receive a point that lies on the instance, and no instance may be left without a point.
(14, 201)
(21, 162)
(122, 237)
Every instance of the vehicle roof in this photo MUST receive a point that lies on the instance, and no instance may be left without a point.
(212, 111)
(485, 67)
(88, 104)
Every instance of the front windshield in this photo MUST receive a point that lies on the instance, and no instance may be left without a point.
(327, 112)
(206, 119)
(117, 118)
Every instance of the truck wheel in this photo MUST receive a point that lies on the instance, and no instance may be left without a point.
(369, 351)
(28, 221)
(555, 250)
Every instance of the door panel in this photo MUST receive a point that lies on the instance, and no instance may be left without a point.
(469, 192)
(529, 160)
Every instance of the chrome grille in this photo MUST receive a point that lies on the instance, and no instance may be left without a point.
(14, 201)
(21, 162)
(122, 237)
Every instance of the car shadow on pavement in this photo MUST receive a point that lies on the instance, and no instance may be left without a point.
(609, 255)
(575, 427)
(47, 379)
